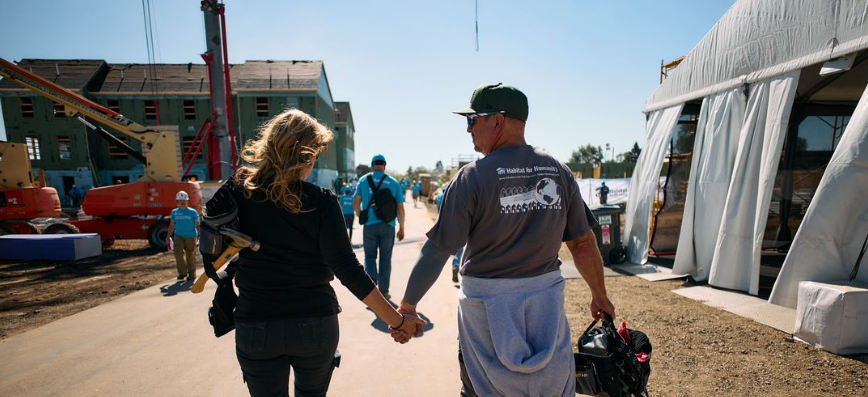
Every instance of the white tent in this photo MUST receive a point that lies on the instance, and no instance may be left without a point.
(748, 71)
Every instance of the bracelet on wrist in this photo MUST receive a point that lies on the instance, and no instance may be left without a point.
(399, 325)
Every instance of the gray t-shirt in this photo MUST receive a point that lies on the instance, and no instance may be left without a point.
(513, 209)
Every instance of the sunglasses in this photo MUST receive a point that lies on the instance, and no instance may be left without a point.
(471, 118)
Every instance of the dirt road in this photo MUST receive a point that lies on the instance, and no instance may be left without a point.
(37, 293)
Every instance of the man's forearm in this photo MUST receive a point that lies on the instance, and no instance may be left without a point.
(586, 257)
(401, 215)
(425, 273)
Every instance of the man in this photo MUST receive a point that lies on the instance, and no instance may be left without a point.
(74, 196)
(417, 190)
(379, 236)
(347, 208)
(513, 208)
(184, 231)
(604, 193)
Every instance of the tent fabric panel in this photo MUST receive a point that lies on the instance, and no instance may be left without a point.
(759, 39)
(737, 253)
(658, 133)
(714, 151)
(834, 227)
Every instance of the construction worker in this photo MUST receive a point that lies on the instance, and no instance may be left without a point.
(417, 190)
(184, 232)
(347, 208)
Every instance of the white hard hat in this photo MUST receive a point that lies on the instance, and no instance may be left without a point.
(182, 196)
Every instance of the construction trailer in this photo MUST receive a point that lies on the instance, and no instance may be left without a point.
(775, 98)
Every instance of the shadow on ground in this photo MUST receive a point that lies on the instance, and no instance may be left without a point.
(173, 289)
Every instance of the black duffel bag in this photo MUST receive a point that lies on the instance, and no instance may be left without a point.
(606, 365)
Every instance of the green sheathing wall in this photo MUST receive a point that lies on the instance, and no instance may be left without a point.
(171, 112)
(344, 140)
(326, 115)
(47, 128)
(340, 142)
(247, 123)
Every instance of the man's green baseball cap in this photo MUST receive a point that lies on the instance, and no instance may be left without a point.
(491, 98)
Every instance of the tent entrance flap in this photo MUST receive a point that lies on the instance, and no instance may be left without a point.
(736, 261)
(658, 132)
(714, 151)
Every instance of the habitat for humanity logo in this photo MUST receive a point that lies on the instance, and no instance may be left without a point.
(544, 195)
(524, 170)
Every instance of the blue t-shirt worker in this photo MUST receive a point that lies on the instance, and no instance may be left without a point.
(346, 201)
(184, 231)
(379, 236)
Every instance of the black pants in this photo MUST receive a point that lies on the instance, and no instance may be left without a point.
(267, 350)
(466, 387)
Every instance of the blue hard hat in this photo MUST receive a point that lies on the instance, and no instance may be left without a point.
(378, 158)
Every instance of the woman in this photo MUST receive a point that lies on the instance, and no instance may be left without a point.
(286, 316)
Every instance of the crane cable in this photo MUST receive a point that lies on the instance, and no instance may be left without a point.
(149, 42)
(477, 25)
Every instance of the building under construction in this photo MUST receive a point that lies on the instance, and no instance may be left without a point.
(165, 94)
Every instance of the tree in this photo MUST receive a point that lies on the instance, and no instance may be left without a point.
(586, 155)
(362, 169)
(438, 168)
(632, 156)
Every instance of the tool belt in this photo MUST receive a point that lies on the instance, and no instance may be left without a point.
(607, 365)
(221, 211)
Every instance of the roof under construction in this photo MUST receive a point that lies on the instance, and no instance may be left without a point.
(72, 74)
(277, 75)
(172, 79)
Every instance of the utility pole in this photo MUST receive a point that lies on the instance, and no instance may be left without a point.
(221, 142)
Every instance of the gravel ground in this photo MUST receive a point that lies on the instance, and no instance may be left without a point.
(703, 351)
(37, 293)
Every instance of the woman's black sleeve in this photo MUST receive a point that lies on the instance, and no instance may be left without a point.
(338, 252)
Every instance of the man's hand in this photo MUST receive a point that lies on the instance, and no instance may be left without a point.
(411, 327)
(402, 336)
(400, 233)
(600, 306)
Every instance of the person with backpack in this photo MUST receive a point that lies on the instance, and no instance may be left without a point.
(379, 205)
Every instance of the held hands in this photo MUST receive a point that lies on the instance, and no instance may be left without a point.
(412, 326)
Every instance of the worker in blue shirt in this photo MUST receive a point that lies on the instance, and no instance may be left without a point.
(417, 191)
(184, 232)
(379, 236)
(347, 208)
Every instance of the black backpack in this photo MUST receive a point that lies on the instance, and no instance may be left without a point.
(383, 203)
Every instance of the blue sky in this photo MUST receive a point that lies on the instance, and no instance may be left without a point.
(586, 66)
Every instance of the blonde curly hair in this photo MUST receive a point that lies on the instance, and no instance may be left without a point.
(286, 146)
